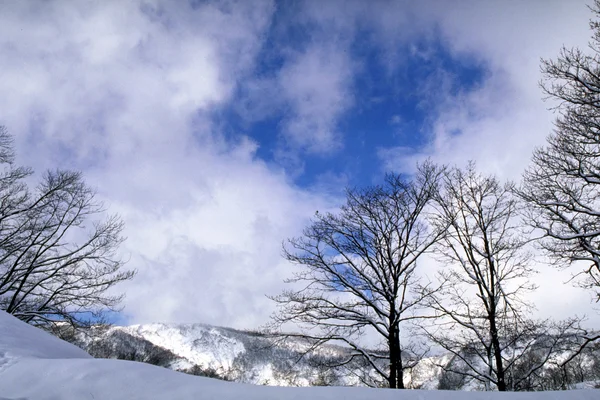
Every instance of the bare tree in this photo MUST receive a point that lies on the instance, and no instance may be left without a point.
(56, 262)
(359, 272)
(562, 185)
(481, 305)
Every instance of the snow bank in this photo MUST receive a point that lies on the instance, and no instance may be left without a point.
(20, 340)
(35, 365)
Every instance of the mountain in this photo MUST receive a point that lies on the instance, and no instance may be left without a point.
(257, 358)
(225, 353)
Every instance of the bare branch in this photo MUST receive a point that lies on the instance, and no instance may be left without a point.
(358, 270)
(56, 261)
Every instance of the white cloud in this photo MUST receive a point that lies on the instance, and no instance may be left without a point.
(500, 121)
(125, 91)
(316, 83)
(312, 82)
(214, 258)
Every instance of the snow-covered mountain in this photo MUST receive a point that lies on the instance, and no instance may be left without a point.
(253, 357)
(225, 353)
(36, 365)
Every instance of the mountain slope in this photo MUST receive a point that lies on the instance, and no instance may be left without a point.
(229, 354)
(252, 357)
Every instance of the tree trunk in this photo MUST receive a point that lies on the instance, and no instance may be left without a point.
(396, 377)
(400, 368)
(497, 355)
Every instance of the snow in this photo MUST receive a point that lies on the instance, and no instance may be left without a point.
(240, 356)
(200, 344)
(35, 365)
(18, 340)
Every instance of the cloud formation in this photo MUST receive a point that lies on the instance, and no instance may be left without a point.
(125, 92)
(132, 93)
(501, 120)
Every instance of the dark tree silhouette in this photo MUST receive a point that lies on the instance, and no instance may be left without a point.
(562, 185)
(482, 309)
(358, 272)
(57, 260)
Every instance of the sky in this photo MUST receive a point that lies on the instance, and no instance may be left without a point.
(216, 129)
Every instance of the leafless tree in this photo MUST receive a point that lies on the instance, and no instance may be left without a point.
(562, 185)
(56, 261)
(359, 272)
(481, 305)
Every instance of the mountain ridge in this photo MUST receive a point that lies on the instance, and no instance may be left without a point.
(256, 358)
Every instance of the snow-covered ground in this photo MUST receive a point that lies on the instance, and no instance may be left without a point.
(36, 365)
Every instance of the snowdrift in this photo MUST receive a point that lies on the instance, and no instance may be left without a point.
(36, 365)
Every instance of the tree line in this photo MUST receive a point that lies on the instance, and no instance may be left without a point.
(360, 268)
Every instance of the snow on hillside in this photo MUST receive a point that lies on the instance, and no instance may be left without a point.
(19, 340)
(199, 344)
(241, 356)
(252, 357)
(35, 365)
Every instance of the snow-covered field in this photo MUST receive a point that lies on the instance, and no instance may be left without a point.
(36, 365)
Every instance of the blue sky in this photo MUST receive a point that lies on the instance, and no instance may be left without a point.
(387, 106)
(217, 128)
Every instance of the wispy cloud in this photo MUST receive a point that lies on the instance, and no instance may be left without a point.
(500, 121)
(317, 85)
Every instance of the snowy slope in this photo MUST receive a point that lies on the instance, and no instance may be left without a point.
(241, 356)
(199, 344)
(251, 357)
(15, 345)
(38, 366)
